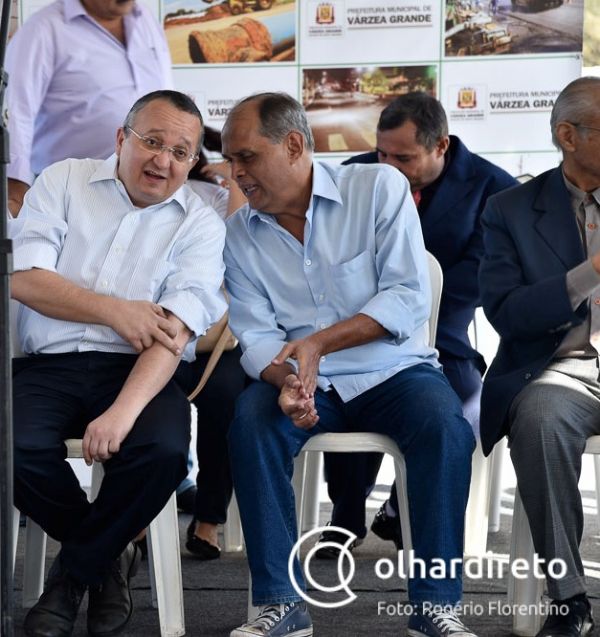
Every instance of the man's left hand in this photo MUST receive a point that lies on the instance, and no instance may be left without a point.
(307, 352)
(104, 435)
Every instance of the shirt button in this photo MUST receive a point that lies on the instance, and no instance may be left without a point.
(322, 359)
(527, 376)
(117, 250)
(308, 262)
(591, 226)
(321, 297)
(323, 326)
(104, 284)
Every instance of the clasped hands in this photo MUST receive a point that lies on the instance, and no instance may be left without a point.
(297, 395)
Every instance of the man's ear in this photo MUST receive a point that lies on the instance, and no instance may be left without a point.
(566, 134)
(442, 145)
(120, 140)
(294, 145)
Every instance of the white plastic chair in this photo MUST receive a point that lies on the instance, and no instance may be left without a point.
(309, 467)
(163, 556)
(529, 591)
(163, 544)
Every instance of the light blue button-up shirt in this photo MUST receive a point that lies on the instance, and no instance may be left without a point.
(78, 220)
(363, 252)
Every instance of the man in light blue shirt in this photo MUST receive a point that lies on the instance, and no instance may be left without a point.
(118, 267)
(329, 289)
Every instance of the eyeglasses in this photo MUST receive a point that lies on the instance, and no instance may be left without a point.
(585, 127)
(152, 145)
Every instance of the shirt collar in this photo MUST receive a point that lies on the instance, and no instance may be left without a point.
(323, 186)
(579, 196)
(74, 8)
(107, 171)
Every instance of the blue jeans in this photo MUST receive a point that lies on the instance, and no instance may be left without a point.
(418, 409)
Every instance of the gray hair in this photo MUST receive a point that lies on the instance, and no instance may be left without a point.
(180, 101)
(279, 114)
(576, 102)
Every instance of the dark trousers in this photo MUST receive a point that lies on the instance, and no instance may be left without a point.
(55, 397)
(215, 405)
(351, 476)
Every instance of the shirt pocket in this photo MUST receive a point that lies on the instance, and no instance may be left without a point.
(353, 283)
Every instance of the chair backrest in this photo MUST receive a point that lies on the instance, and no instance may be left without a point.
(436, 278)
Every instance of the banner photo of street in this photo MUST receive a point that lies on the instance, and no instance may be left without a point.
(340, 31)
(230, 31)
(343, 104)
(522, 27)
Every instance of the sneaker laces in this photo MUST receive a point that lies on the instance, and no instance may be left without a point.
(447, 621)
(270, 615)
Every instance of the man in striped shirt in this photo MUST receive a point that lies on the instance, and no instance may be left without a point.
(118, 267)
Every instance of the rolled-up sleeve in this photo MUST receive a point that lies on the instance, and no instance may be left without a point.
(192, 290)
(403, 299)
(39, 231)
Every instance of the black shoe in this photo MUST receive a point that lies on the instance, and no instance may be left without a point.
(110, 605)
(200, 548)
(333, 552)
(387, 527)
(578, 622)
(55, 612)
(186, 501)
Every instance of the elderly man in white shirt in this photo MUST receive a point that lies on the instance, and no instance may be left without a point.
(118, 267)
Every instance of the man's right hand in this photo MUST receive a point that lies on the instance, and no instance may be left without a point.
(295, 405)
(141, 323)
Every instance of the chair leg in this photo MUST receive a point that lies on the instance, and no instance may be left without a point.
(523, 593)
(403, 510)
(496, 484)
(476, 516)
(312, 481)
(597, 475)
(34, 564)
(233, 539)
(299, 483)
(165, 564)
(252, 610)
(16, 520)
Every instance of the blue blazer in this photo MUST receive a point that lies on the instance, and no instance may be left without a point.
(452, 232)
(531, 240)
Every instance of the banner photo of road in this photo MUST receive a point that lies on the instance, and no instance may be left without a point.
(343, 104)
(341, 31)
(230, 31)
(505, 104)
(522, 27)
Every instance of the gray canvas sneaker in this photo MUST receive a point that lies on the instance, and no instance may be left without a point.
(278, 620)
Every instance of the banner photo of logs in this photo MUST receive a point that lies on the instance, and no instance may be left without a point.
(231, 32)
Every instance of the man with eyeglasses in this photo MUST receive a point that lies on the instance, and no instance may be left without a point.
(118, 267)
(74, 68)
(540, 286)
